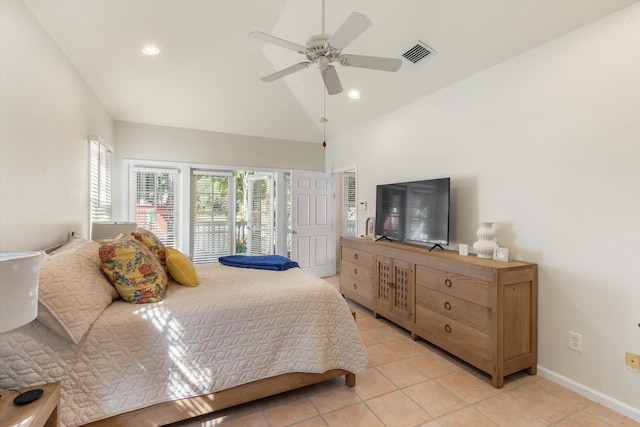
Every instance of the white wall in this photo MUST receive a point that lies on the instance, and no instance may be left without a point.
(548, 146)
(46, 113)
(139, 141)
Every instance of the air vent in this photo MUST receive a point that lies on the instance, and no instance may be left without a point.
(418, 52)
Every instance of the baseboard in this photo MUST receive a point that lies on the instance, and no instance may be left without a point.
(591, 394)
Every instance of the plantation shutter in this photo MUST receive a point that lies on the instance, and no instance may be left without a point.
(155, 204)
(349, 207)
(213, 215)
(261, 215)
(100, 181)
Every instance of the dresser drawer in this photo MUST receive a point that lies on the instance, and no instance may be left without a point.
(359, 272)
(455, 337)
(463, 287)
(356, 256)
(469, 313)
(356, 289)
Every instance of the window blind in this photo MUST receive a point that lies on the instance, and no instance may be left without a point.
(100, 181)
(287, 178)
(155, 204)
(349, 207)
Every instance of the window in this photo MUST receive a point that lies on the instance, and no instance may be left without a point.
(100, 180)
(213, 210)
(208, 211)
(155, 204)
(349, 207)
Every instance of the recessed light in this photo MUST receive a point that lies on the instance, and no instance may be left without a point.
(150, 50)
(354, 94)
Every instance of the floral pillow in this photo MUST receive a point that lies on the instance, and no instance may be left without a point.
(133, 270)
(152, 243)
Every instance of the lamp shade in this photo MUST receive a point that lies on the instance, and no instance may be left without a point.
(110, 230)
(19, 274)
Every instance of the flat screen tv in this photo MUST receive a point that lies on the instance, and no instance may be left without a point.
(414, 212)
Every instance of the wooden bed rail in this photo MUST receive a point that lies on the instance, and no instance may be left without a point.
(183, 409)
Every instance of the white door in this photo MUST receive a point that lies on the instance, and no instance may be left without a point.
(261, 225)
(312, 213)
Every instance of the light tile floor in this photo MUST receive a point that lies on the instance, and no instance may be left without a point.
(411, 383)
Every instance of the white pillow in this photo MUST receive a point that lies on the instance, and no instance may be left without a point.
(74, 241)
(73, 292)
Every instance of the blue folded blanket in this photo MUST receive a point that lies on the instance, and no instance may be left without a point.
(260, 262)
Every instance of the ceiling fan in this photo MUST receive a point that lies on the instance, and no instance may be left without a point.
(323, 49)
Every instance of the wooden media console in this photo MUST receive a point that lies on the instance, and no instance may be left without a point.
(482, 311)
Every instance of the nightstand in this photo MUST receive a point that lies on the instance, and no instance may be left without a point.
(44, 412)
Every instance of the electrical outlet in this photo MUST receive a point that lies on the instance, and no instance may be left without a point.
(575, 341)
(632, 360)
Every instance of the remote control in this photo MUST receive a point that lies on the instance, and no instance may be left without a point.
(28, 396)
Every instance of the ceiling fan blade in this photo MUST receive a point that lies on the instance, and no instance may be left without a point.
(372, 62)
(277, 41)
(331, 80)
(350, 29)
(285, 72)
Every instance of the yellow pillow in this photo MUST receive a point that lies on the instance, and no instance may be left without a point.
(134, 271)
(180, 267)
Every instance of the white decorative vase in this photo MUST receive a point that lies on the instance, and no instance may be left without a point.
(486, 240)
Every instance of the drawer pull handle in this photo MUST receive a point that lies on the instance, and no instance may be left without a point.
(447, 283)
(355, 271)
(447, 306)
(447, 329)
(355, 286)
(355, 256)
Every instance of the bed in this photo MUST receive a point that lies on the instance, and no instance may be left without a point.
(240, 335)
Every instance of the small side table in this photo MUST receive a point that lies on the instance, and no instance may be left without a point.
(44, 412)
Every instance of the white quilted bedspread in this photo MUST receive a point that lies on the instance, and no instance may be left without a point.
(238, 326)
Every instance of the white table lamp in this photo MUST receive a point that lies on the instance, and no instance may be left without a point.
(19, 277)
(19, 273)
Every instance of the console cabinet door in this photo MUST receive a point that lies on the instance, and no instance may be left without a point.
(404, 289)
(384, 283)
(395, 286)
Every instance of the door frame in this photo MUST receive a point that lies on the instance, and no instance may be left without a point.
(338, 206)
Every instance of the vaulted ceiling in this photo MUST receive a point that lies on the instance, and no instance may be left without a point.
(207, 74)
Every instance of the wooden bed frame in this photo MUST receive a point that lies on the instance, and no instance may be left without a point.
(183, 409)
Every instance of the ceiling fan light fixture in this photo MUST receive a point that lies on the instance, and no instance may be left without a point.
(354, 94)
(150, 50)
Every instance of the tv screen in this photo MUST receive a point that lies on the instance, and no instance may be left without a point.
(416, 211)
